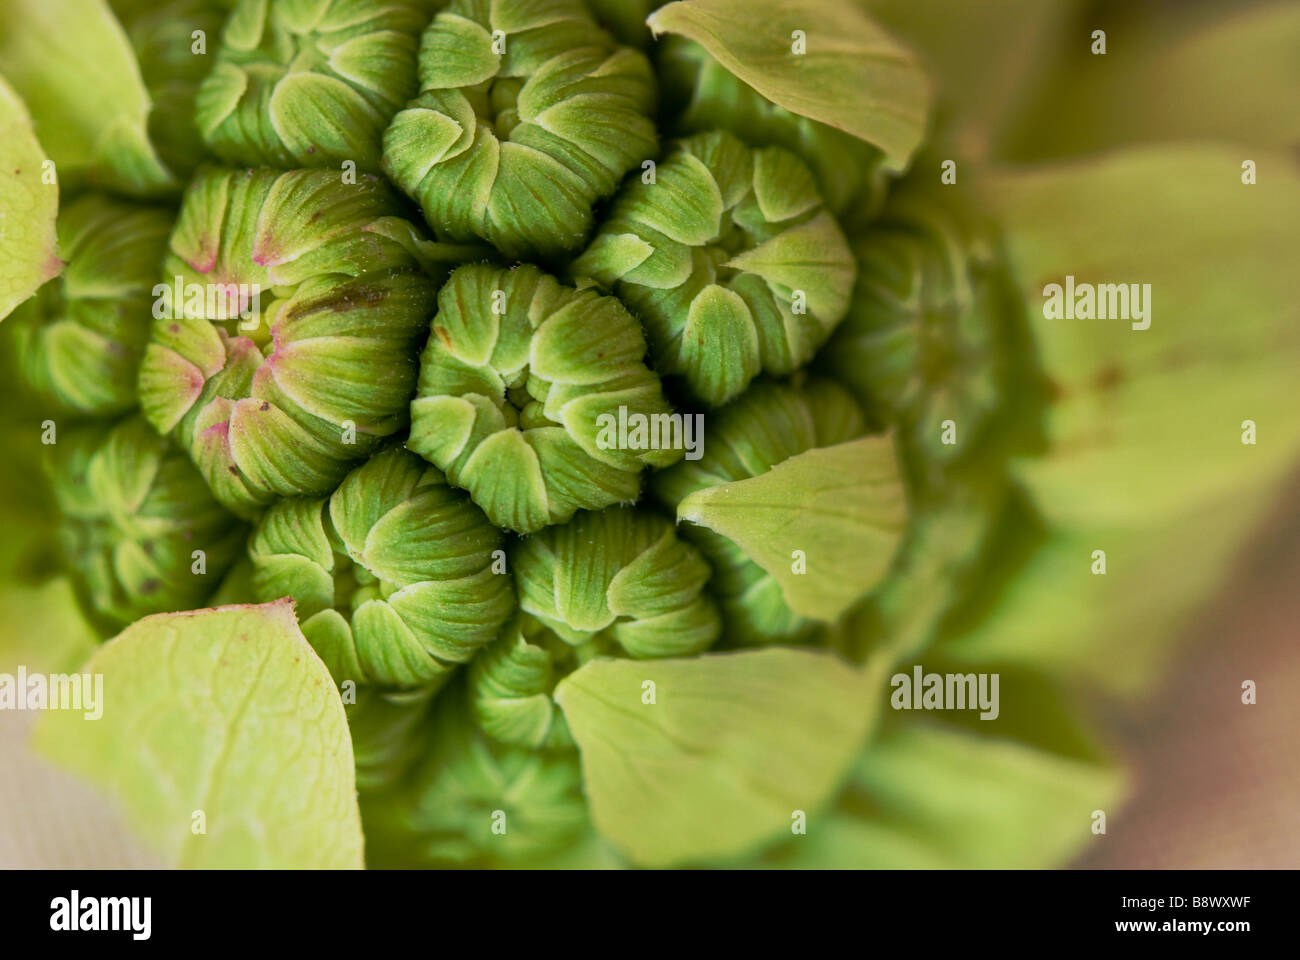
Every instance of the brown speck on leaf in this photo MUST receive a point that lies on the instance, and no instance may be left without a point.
(444, 335)
(149, 586)
(264, 407)
(1109, 377)
(233, 469)
(175, 328)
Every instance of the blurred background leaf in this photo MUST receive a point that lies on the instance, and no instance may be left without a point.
(1173, 70)
(71, 63)
(947, 790)
(1147, 460)
(225, 712)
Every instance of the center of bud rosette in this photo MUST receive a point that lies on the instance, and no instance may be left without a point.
(503, 105)
(521, 385)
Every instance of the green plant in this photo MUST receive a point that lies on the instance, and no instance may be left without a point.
(577, 431)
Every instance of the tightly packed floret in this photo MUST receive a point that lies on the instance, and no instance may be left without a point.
(309, 83)
(515, 382)
(623, 574)
(729, 259)
(140, 530)
(288, 351)
(82, 336)
(528, 113)
(397, 577)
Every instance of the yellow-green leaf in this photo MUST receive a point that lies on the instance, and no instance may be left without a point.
(28, 255)
(222, 719)
(693, 761)
(952, 791)
(825, 524)
(74, 67)
(851, 75)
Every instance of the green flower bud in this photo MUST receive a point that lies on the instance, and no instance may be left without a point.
(519, 386)
(298, 354)
(930, 335)
(140, 533)
(528, 114)
(386, 727)
(768, 425)
(172, 69)
(473, 802)
(708, 96)
(621, 574)
(393, 574)
(730, 261)
(511, 681)
(303, 83)
(82, 335)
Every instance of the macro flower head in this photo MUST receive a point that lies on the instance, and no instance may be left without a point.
(592, 433)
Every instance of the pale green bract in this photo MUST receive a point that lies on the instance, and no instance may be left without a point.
(767, 426)
(248, 727)
(71, 63)
(850, 74)
(824, 524)
(729, 747)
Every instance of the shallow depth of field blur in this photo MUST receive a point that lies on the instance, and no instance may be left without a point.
(1212, 782)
